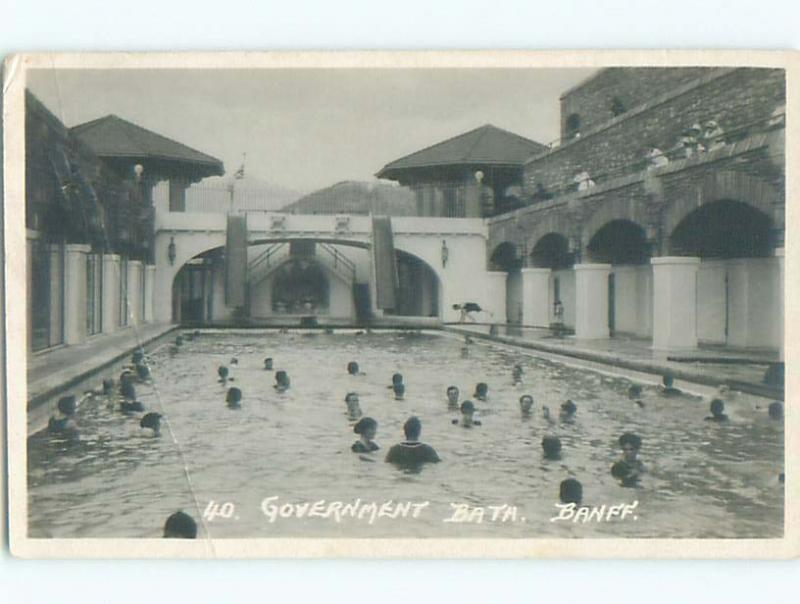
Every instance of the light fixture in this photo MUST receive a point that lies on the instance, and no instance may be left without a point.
(172, 251)
(138, 169)
(445, 253)
(479, 176)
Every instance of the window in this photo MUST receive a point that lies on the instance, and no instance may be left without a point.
(617, 106)
(572, 127)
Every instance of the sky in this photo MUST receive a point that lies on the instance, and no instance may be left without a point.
(304, 129)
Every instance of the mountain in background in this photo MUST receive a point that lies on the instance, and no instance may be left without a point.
(357, 197)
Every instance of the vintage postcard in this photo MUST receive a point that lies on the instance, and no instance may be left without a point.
(420, 304)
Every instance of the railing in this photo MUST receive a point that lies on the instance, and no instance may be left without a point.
(264, 259)
(341, 262)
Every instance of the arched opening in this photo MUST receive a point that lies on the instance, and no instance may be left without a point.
(738, 280)
(300, 287)
(623, 244)
(505, 258)
(572, 127)
(552, 251)
(194, 285)
(418, 288)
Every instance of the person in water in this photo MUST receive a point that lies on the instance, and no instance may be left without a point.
(353, 368)
(366, 428)
(143, 372)
(268, 364)
(717, 409)
(63, 422)
(397, 378)
(353, 405)
(481, 391)
(635, 394)
(568, 411)
(452, 397)
(631, 444)
(222, 372)
(151, 421)
(180, 526)
(667, 387)
(399, 392)
(625, 474)
(467, 419)
(234, 361)
(282, 381)
(526, 405)
(571, 491)
(516, 375)
(131, 405)
(128, 392)
(137, 357)
(233, 398)
(551, 447)
(411, 453)
(179, 341)
(775, 411)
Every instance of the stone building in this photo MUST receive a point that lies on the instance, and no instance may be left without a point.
(664, 211)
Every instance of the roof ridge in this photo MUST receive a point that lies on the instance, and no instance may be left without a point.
(431, 146)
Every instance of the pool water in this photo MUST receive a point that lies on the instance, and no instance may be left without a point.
(703, 479)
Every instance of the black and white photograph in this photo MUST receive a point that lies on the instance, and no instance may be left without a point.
(409, 304)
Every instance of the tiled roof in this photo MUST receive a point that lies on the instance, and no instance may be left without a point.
(485, 145)
(112, 136)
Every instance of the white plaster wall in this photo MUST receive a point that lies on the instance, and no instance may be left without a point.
(514, 297)
(633, 301)
(711, 302)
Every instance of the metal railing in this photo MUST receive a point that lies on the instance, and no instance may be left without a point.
(341, 263)
(263, 262)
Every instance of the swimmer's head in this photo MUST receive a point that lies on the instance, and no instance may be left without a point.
(128, 391)
(108, 386)
(526, 403)
(222, 372)
(667, 380)
(234, 361)
(282, 378)
(570, 491)
(151, 420)
(399, 391)
(630, 444)
(366, 427)
(452, 395)
(717, 407)
(568, 408)
(775, 410)
(635, 391)
(234, 396)
(179, 341)
(517, 372)
(125, 377)
(66, 405)
(137, 357)
(353, 405)
(397, 378)
(352, 368)
(268, 363)
(143, 371)
(468, 408)
(551, 445)
(481, 390)
(180, 526)
(412, 428)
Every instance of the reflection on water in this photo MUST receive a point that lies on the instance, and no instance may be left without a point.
(703, 479)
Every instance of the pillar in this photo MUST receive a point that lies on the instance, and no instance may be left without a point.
(149, 292)
(779, 254)
(135, 283)
(75, 292)
(472, 203)
(591, 301)
(536, 296)
(494, 300)
(111, 267)
(675, 302)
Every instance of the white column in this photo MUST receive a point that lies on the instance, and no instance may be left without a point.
(494, 300)
(779, 254)
(536, 296)
(111, 267)
(675, 302)
(75, 292)
(149, 292)
(591, 301)
(135, 276)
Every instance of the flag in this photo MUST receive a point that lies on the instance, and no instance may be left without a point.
(239, 175)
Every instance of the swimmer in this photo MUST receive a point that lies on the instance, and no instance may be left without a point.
(516, 375)
(625, 474)
(399, 392)
(353, 406)
(131, 406)
(179, 341)
(551, 446)
(635, 394)
(717, 409)
(353, 369)
(108, 387)
(126, 377)
(128, 391)
(180, 526)
(143, 372)
(137, 357)
(465, 352)
(775, 411)
(268, 364)
(282, 381)
(568, 410)
(411, 453)
(397, 378)
(222, 372)
(667, 388)
(525, 405)
(63, 422)
(152, 421)
(234, 361)
(452, 397)
(366, 428)
(196, 333)
(467, 416)
(630, 444)
(233, 398)
(481, 391)
(570, 491)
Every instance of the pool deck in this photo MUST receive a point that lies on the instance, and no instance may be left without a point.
(56, 370)
(739, 370)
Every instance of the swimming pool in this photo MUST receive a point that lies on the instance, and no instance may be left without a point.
(704, 479)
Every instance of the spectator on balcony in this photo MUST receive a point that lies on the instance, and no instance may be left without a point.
(656, 158)
(713, 135)
(689, 142)
(584, 181)
(541, 193)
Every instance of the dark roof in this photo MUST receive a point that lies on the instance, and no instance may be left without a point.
(487, 145)
(114, 137)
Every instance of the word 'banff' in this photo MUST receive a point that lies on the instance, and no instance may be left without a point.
(600, 513)
(337, 510)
